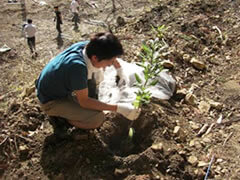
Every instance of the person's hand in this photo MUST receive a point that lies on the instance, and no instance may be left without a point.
(121, 79)
(128, 111)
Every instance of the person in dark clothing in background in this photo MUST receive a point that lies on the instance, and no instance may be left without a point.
(58, 19)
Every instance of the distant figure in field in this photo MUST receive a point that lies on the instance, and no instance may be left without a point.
(30, 30)
(58, 19)
(75, 11)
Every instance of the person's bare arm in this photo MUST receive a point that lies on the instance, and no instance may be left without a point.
(90, 103)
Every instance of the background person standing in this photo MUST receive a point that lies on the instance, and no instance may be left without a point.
(30, 30)
(58, 19)
(75, 11)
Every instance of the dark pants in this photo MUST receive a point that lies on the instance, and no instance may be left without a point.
(75, 19)
(58, 27)
(31, 43)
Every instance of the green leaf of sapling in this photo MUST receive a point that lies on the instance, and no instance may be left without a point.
(146, 49)
(154, 82)
(138, 78)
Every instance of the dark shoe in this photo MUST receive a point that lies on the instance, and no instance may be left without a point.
(60, 127)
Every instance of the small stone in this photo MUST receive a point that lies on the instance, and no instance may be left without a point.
(196, 171)
(198, 145)
(180, 134)
(192, 160)
(186, 57)
(194, 125)
(207, 140)
(157, 146)
(34, 160)
(167, 64)
(218, 169)
(23, 148)
(23, 152)
(205, 50)
(204, 107)
(219, 160)
(182, 152)
(202, 164)
(176, 129)
(198, 64)
(190, 99)
(216, 105)
(142, 177)
(228, 57)
(180, 94)
(224, 171)
(192, 143)
(119, 172)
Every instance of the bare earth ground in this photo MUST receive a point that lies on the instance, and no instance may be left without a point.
(167, 143)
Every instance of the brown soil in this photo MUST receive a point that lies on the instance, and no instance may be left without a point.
(166, 143)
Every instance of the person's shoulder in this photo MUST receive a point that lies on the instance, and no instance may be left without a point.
(26, 25)
(82, 43)
(77, 63)
(79, 45)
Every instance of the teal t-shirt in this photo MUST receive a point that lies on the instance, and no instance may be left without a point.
(63, 74)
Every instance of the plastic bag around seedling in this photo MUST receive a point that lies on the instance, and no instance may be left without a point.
(113, 90)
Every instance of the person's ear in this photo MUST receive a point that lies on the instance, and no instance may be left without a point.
(94, 59)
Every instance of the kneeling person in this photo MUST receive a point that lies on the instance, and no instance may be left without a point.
(62, 87)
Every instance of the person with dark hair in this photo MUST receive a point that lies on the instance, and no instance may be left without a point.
(30, 31)
(63, 86)
(58, 19)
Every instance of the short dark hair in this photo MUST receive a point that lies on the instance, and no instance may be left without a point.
(55, 7)
(105, 46)
(29, 21)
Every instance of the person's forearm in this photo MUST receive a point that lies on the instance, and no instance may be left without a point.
(91, 103)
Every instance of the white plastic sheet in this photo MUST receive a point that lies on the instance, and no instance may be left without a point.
(124, 91)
